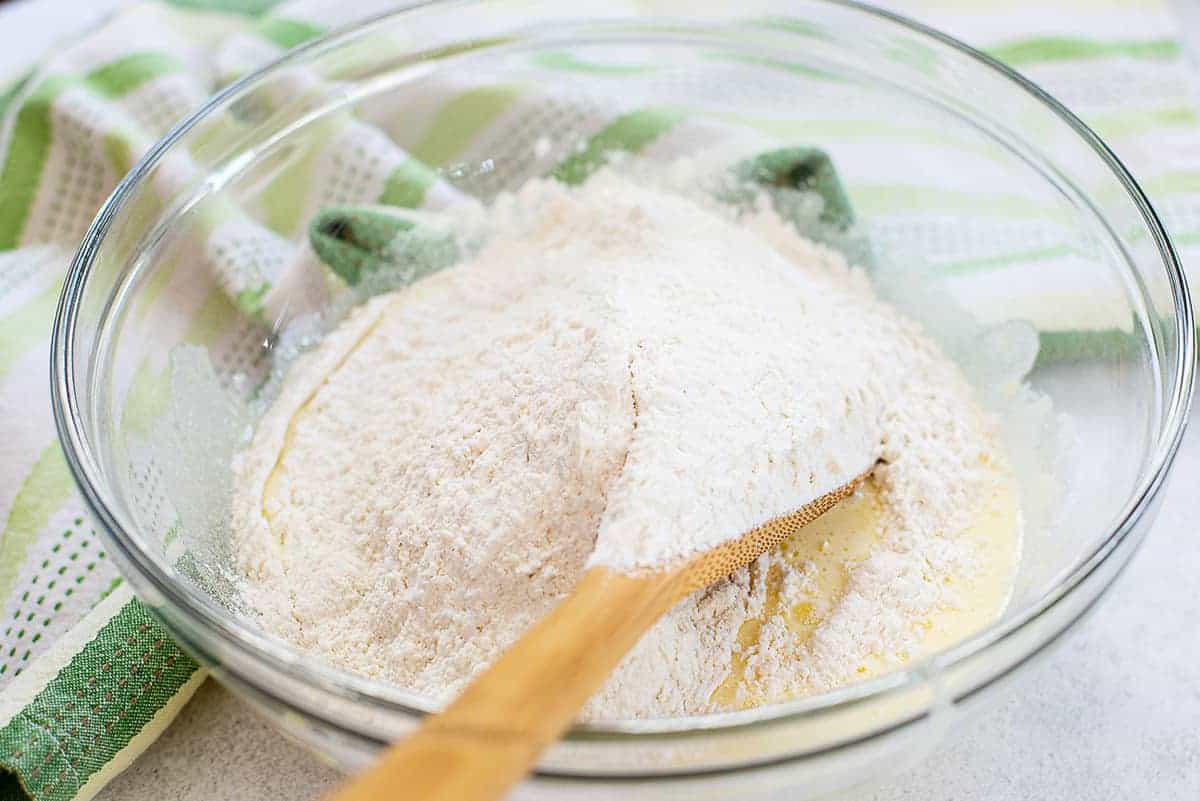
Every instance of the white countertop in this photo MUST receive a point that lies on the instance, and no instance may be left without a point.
(1112, 713)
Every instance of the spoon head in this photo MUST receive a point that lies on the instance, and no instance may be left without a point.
(719, 562)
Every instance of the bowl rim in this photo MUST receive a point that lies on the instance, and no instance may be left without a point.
(271, 656)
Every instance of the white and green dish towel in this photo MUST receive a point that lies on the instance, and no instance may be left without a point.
(88, 677)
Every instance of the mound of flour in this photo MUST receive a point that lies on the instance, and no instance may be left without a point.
(619, 376)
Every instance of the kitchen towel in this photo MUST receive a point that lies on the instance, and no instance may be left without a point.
(87, 676)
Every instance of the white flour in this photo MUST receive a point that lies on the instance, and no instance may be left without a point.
(621, 377)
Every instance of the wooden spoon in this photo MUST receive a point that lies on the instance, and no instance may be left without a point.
(488, 738)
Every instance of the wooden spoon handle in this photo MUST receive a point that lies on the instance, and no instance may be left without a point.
(488, 739)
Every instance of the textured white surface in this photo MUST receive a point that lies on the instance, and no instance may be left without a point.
(1112, 714)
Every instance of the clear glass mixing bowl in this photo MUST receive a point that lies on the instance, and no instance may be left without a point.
(971, 187)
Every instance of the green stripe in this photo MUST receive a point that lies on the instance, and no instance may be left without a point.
(93, 708)
(1176, 182)
(284, 197)
(356, 240)
(121, 149)
(287, 33)
(158, 282)
(148, 398)
(250, 8)
(566, 62)
(10, 91)
(216, 314)
(1066, 48)
(904, 198)
(629, 133)
(831, 132)
(29, 145)
(777, 64)
(1004, 260)
(42, 493)
(793, 25)
(914, 54)
(1133, 123)
(1107, 344)
(460, 121)
(129, 72)
(27, 326)
(804, 169)
(407, 184)
(250, 301)
(149, 394)
(27, 150)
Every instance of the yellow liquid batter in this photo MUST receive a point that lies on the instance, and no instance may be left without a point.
(847, 534)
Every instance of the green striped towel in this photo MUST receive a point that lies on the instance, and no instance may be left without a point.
(87, 676)
(93, 675)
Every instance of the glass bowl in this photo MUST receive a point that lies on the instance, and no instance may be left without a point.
(1050, 276)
